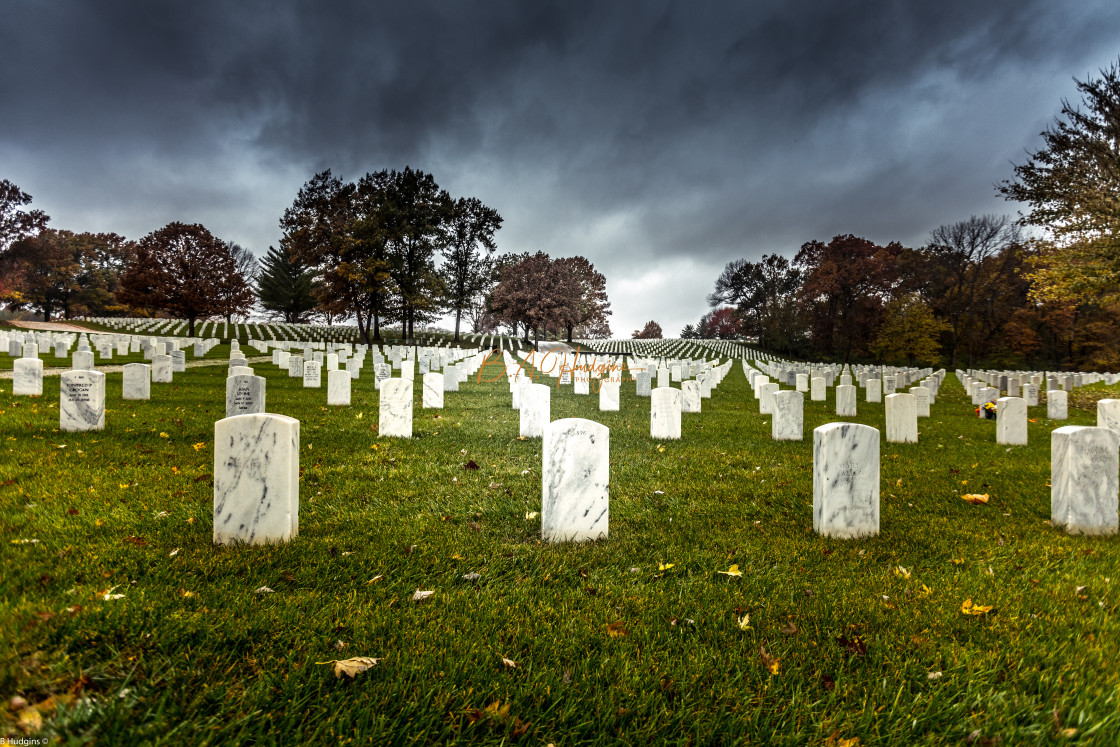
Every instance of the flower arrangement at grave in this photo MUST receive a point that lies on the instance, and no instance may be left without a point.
(986, 411)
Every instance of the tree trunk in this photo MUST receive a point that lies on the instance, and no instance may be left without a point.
(190, 326)
(377, 327)
(458, 316)
(569, 333)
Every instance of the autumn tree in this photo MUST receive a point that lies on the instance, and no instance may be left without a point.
(183, 270)
(909, 332)
(763, 294)
(69, 273)
(963, 261)
(593, 307)
(237, 293)
(652, 331)
(846, 284)
(721, 324)
(468, 269)
(15, 222)
(286, 288)
(537, 292)
(1071, 187)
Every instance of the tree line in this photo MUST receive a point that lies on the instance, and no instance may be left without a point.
(1043, 290)
(391, 247)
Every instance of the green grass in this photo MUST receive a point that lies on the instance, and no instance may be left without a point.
(191, 654)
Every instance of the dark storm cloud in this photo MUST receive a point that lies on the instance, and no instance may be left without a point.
(650, 132)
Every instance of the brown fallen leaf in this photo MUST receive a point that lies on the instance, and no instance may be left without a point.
(790, 629)
(615, 630)
(853, 645)
(827, 682)
(352, 667)
(470, 465)
(768, 661)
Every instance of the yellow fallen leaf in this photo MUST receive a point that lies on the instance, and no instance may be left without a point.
(1068, 732)
(968, 608)
(732, 571)
(850, 742)
(768, 661)
(615, 630)
(901, 572)
(745, 622)
(30, 720)
(200, 446)
(975, 498)
(665, 566)
(660, 448)
(352, 667)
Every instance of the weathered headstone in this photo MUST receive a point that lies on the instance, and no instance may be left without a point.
(575, 480)
(665, 413)
(644, 383)
(846, 400)
(295, 366)
(766, 397)
(1108, 415)
(137, 381)
(874, 390)
(921, 400)
(312, 374)
(338, 387)
(902, 419)
(1057, 404)
(82, 360)
(27, 377)
(433, 391)
(245, 395)
(846, 480)
(818, 390)
(609, 392)
(161, 369)
(81, 405)
(395, 409)
(690, 396)
(788, 419)
(1011, 421)
(535, 410)
(256, 479)
(1084, 481)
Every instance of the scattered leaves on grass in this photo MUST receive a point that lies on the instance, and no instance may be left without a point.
(351, 667)
(768, 661)
(109, 596)
(901, 572)
(732, 571)
(853, 645)
(975, 498)
(420, 596)
(615, 630)
(665, 566)
(968, 608)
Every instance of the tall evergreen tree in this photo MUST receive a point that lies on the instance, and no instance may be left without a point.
(286, 288)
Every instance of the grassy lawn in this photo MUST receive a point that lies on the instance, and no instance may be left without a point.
(635, 639)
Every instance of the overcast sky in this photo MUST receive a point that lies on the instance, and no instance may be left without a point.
(659, 140)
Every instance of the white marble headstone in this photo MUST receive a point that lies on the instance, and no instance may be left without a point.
(609, 393)
(81, 405)
(395, 409)
(788, 418)
(1108, 415)
(818, 390)
(1011, 421)
(535, 410)
(256, 479)
(846, 480)
(665, 413)
(338, 387)
(874, 390)
(137, 381)
(82, 360)
(433, 390)
(1084, 481)
(312, 374)
(245, 395)
(766, 397)
(846, 400)
(27, 377)
(161, 369)
(575, 480)
(902, 418)
(1057, 404)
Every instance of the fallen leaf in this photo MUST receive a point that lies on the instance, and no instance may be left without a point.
(933, 676)
(790, 629)
(968, 608)
(615, 630)
(665, 566)
(109, 596)
(420, 596)
(827, 682)
(901, 572)
(352, 667)
(732, 571)
(975, 498)
(745, 622)
(264, 590)
(470, 465)
(164, 435)
(30, 720)
(852, 742)
(853, 645)
(530, 515)
(768, 661)
(472, 576)
(1068, 732)
(200, 446)
(509, 663)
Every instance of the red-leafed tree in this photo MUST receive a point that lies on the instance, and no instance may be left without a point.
(536, 292)
(183, 270)
(846, 284)
(721, 324)
(593, 307)
(652, 331)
